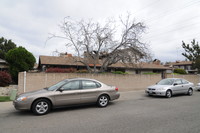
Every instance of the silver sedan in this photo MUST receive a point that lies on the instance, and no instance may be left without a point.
(67, 92)
(198, 86)
(171, 86)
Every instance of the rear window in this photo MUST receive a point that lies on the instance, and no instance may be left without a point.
(86, 84)
(185, 81)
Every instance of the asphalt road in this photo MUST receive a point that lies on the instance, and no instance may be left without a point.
(134, 112)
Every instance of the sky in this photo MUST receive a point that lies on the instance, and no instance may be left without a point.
(29, 23)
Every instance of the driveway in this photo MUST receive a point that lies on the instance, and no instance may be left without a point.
(134, 112)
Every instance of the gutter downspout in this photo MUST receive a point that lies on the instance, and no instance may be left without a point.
(24, 81)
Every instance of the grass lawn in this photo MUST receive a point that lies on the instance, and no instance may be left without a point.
(4, 98)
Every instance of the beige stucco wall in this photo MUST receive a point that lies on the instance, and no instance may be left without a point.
(128, 82)
(36, 81)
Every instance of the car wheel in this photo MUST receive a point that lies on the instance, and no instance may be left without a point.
(41, 107)
(190, 92)
(103, 101)
(168, 94)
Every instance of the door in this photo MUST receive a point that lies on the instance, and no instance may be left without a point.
(69, 95)
(186, 86)
(89, 91)
(178, 87)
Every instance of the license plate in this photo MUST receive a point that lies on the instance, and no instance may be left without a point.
(150, 92)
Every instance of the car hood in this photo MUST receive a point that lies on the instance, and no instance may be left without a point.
(41, 91)
(159, 86)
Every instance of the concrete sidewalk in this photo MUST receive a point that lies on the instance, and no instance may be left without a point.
(6, 107)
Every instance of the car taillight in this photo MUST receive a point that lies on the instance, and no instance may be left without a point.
(116, 89)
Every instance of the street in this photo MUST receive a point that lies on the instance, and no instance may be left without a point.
(134, 112)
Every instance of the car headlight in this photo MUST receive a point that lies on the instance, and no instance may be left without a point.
(23, 98)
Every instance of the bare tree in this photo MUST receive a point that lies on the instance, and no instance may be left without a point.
(98, 44)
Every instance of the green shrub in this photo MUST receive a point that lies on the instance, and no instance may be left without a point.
(82, 71)
(119, 72)
(151, 73)
(179, 71)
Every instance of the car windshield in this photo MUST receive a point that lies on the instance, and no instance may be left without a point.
(166, 82)
(56, 86)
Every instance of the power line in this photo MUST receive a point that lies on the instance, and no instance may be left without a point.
(183, 27)
(185, 24)
(182, 38)
(170, 12)
(180, 23)
(148, 5)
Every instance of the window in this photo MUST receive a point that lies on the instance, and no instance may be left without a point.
(72, 85)
(56, 86)
(184, 81)
(86, 84)
(178, 81)
(189, 67)
(165, 82)
(98, 85)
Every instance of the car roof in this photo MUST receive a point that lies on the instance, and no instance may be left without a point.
(70, 79)
(174, 78)
(177, 78)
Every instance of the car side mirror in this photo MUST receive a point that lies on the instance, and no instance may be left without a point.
(61, 89)
(175, 84)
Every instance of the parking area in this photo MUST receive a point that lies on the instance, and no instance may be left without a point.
(133, 112)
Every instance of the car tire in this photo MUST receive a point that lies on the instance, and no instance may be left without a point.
(103, 101)
(190, 92)
(168, 94)
(41, 107)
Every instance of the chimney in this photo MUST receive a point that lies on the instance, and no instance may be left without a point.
(65, 55)
(68, 55)
(156, 61)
